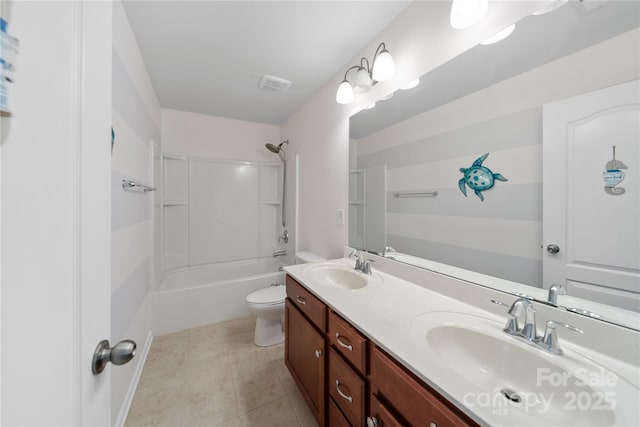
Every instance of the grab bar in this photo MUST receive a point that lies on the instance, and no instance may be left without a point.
(133, 186)
(416, 194)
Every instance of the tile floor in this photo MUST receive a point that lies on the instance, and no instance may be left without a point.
(214, 375)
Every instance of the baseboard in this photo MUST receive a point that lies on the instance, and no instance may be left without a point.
(126, 404)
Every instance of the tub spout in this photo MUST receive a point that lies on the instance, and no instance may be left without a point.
(279, 253)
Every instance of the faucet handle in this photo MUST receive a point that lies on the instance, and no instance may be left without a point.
(511, 327)
(550, 339)
(366, 266)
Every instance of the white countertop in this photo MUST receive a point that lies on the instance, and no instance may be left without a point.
(384, 311)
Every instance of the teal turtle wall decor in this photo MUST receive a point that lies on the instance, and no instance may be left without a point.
(478, 177)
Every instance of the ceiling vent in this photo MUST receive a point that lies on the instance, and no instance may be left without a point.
(275, 84)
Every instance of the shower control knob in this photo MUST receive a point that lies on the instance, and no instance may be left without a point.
(553, 249)
(119, 354)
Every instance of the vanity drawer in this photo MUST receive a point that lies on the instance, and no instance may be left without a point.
(311, 306)
(346, 388)
(348, 341)
(417, 404)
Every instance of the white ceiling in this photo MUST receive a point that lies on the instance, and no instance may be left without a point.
(208, 56)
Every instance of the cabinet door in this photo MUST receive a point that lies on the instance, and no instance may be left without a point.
(379, 415)
(305, 359)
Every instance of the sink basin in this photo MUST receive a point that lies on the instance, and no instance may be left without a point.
(509, 377)
(340, 276)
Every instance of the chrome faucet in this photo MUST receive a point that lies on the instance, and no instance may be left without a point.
(284, 237)
(520, 307)
(362, 264)
(555, 290)
(387, 250)
(279, 253)
(528, 332)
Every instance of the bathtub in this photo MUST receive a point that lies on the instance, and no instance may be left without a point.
(199, 295)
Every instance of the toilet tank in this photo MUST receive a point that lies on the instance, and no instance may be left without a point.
(305, 257)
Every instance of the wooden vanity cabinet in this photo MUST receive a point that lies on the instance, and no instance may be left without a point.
(349, 382)
(305, 346)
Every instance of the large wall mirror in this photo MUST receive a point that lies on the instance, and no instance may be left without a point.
(517, 162)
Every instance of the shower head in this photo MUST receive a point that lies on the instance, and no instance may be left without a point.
(276, 148)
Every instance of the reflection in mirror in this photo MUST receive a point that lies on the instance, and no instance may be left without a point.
(572, 73)
(367, 207)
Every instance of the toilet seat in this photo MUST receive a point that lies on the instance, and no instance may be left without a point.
(272, 295)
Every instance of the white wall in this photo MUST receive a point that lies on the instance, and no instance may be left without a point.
(136, 122)
(199, 135)
(420, 39)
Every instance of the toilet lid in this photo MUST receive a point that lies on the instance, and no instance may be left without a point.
(270, 295)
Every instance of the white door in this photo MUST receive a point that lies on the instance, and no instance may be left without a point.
(55, 213)
(592, 195)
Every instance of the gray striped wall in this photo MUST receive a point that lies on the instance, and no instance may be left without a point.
(131, 224)
(519, 202)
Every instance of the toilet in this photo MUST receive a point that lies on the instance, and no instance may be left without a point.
(268, 307)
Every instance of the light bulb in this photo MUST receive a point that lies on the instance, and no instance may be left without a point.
(500, 35)
(363, 81)
(465, 13)
(383, 68)
(345, 93)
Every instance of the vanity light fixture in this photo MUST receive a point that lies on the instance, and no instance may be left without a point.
(465, 13)
(500, 35)
(381, 69)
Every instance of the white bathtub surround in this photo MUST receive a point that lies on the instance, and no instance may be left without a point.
(218, 210)
(201, 295)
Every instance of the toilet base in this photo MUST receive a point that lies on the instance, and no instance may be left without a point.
(268, 332)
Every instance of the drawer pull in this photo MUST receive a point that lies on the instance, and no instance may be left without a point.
(301, 300)
(372, 422)
(347, 346)
(318, 353)
(349, 398)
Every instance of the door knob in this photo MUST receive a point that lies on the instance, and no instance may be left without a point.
(119, 354)
(553, 249)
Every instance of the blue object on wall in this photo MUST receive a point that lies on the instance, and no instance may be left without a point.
(478, 178)
(614, 176)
